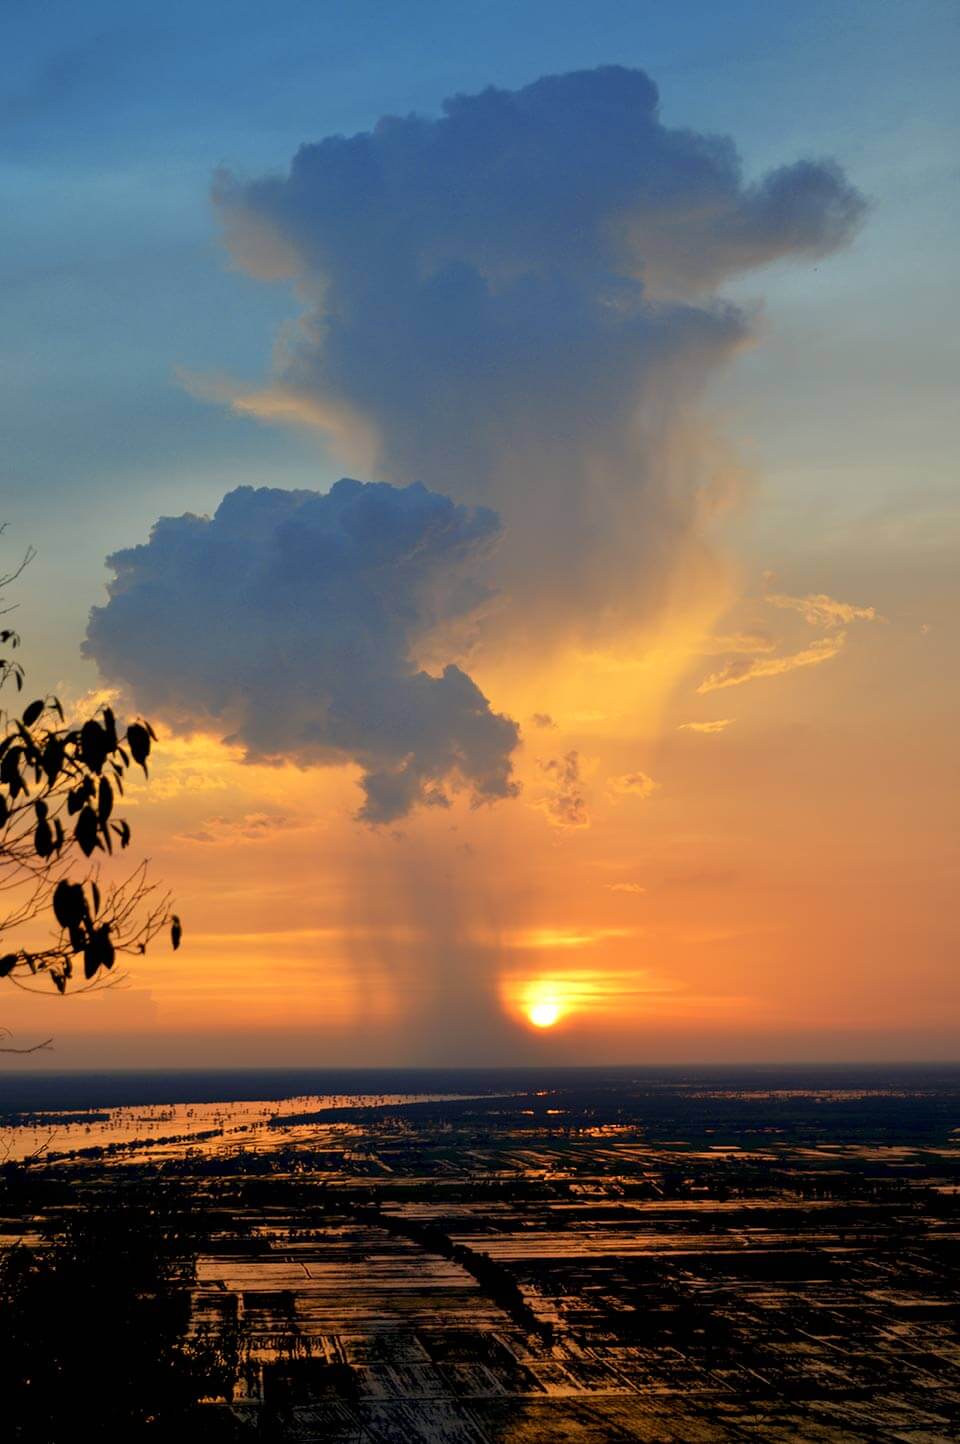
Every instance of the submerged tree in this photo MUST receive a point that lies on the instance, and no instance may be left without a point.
(60, 780)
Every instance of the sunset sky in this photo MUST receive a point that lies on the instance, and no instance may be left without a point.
(629, 733)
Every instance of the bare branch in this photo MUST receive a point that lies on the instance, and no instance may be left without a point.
(36, 1048)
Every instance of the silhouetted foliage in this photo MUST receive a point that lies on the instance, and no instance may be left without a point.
(95, 1333)
(60, 781)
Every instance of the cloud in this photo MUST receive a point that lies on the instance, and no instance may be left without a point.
(746, 669)
(818, 610)
(822, 611)
(543, 719)
(546, 939)
(251, 827)
(632, 784)
(289, 622)
(519, 300)
(719, 725)
(564, 802)
(631, 887)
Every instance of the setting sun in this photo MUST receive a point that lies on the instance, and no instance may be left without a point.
(543, 1015)
(540, 1002)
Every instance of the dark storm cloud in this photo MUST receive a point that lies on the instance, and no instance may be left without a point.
(519, 297)
(574, 172)
(291, 620)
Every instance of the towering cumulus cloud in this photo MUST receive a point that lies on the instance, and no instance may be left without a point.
(519, 302)
(520, 298)
(291, 620)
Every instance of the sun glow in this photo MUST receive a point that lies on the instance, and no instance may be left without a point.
(581, 994)
(542, 1002)
(543, 1014)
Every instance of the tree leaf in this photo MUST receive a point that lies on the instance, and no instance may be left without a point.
(104, 801)
(99, 952)
(43, 839)
(93, 745)
(52, 759)
(138, 740)
(107, 951)
(10, 771)
(86, 831)
(91, 961)
(110, 727)
(69, 904)
(33, 712)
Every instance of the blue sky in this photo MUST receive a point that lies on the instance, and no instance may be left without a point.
(112, 277)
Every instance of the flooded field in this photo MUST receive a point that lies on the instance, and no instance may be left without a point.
(155, 1131)
(615, 1257)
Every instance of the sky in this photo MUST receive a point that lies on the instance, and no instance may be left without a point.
(606, 712)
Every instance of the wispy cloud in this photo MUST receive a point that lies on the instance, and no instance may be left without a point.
(822, 611)
(631, 887)
(251, 827)
(582, 991)
(746, 669)
(347, 430)
(551, 938)
(632, 784)
(720, 724)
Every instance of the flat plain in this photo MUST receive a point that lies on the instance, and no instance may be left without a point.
(618, 1255)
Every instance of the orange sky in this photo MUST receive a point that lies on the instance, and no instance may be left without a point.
(710, 403)
(759, 871)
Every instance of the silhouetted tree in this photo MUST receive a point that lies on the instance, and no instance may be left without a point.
(60, 779)
(96, 1336)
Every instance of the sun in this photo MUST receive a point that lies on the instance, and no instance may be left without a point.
(543, 1014)
(537, 1002)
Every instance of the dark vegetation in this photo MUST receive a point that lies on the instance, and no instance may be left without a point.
(94, 1325)
(60, 781)
(94, 1320)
